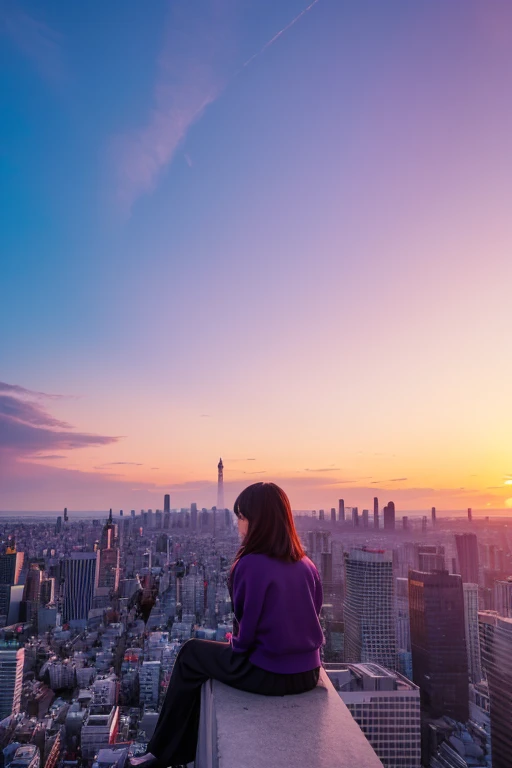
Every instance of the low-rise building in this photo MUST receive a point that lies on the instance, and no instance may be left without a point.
(386, 706)
(99, 730)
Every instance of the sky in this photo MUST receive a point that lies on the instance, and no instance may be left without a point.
(276, 233)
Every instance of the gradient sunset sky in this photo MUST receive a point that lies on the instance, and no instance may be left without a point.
(274, 232)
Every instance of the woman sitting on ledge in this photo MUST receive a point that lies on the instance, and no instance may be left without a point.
(276, 596)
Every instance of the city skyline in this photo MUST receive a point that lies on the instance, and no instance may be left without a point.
(276, 233)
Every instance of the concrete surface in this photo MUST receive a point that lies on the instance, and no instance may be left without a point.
(247, 730)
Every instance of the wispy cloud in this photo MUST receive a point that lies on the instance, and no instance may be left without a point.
(34, 39)
(324, 469)
(18, 391)
(49, 456)
(191, 74)
(130, 463)
(29, 413)
(26, 427)
(197, 61)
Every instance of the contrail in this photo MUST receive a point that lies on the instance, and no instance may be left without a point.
(284, 29)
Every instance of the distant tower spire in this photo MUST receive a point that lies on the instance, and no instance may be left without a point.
(220, 486)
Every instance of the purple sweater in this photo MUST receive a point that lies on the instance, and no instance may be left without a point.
(276, 607)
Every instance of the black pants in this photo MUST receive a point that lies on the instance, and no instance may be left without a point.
(175, 738)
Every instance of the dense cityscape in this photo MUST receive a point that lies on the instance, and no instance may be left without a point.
(417, 619)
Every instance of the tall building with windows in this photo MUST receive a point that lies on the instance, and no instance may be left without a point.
(12, 658)
(79, 580)
(11, 564)
(438, 643)
(496, 648)
(467, 556)
(503, 597)
(386, 706)
(403, 630)
(430, 557)
(471, 631)
(167, 503)
(107, 572)
(369, 607)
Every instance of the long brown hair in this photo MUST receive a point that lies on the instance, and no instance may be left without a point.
(271, 528)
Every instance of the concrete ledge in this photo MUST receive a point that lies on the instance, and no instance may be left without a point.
(309, 729)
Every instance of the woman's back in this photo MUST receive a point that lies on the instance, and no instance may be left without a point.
(276, 606)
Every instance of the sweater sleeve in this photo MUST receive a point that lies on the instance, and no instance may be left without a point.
(249, 590)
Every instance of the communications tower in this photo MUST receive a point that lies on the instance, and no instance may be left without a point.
(220, 486)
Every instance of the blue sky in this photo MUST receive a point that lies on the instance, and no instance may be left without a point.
(289, 217)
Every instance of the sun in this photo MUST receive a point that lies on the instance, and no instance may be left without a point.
(508, 503)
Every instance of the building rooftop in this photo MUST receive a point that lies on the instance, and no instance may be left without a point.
(368, 677)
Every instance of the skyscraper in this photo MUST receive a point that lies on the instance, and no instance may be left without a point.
(167, 503)
(438, 643)
(10, 567)
(33, 580)
(403, 628)
(11, 678)
(496, 647)
(107, 573)
(389, 516)
(431, 557)
(467, 555)
(503, 597)
(108, 533)
(341, 510)
(433, 517)
(193, 516)
(11, 592)
(326, 567)
(220, 485)
(79, 579)
(375, 512)
(333, 514)
(471, 631)
(369, 608)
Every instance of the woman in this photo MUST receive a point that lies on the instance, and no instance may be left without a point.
(276, 595)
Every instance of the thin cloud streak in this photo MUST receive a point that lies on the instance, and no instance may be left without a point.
(46, 458)
(324, 469)
(281, 32)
